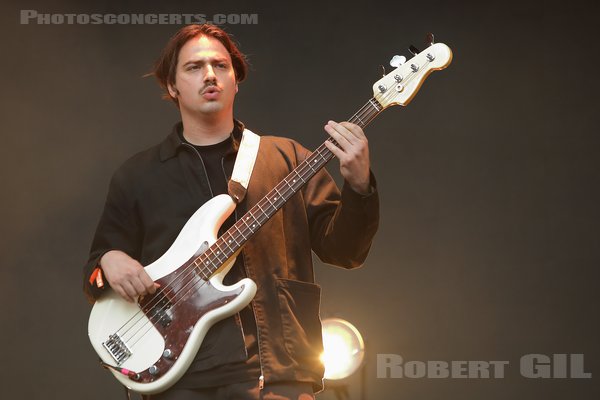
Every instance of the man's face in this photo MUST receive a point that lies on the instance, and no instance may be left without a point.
(205, 80)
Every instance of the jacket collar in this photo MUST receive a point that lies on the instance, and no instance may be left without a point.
(173, 143)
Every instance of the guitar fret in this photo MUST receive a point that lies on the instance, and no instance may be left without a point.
(322, 160)
(285, 189)
(218, 255)
(289, 184)
(232, 239)
(269, 211)
(375, 105)
(277, 191)
(246, 228)
(211, 258)
(255, 219)
(238, 229)
(308, 174)
(261, 210)
(272, 204)
(215, 263)
(218, 244)
(245, 222)
(202, 274)
(198, 267)
(213, 267)
(227, 243)
(311, 170)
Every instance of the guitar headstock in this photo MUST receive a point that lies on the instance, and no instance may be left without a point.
(402, 84)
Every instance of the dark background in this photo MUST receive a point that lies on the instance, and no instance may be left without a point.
(489, 242)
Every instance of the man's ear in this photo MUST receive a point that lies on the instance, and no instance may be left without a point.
(236, 87)
(173, 92)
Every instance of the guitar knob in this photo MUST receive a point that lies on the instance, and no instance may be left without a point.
(397, 61)
(167, 353)
(153, 370)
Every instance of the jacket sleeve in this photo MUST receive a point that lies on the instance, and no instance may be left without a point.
(342, 225)
(118, 229)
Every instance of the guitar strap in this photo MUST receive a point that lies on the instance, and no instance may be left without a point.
(244, 164)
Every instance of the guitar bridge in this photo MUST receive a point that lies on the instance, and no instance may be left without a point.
(117, 348)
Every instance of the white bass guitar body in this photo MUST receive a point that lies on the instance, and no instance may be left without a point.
(151, 343)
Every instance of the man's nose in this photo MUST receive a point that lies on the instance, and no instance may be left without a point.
(210, 74)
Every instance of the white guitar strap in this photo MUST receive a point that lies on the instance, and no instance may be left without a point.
(244, 164)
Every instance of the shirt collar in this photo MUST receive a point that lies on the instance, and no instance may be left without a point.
(171, 145)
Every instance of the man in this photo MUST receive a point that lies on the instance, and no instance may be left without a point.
(271, 348)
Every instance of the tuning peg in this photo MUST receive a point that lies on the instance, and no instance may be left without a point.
(413, 50)
(429, 39)
(382, 70)
(397, 61)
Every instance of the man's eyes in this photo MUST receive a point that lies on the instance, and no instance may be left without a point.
(193, 67)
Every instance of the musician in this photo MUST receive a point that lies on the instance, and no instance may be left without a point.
(271, 348)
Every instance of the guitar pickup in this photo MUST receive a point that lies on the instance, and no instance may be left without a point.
(163, 317)
(160, 312)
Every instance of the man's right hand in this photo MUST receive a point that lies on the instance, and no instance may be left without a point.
(126, 276)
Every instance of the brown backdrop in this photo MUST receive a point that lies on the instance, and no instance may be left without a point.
(488, 247)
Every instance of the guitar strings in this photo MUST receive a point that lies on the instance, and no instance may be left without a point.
(194, 284)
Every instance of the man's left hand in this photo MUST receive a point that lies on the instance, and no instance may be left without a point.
(353, 154)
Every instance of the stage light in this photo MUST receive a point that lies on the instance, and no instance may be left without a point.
(344, 348)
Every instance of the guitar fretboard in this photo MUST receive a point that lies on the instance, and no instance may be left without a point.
(243, 229)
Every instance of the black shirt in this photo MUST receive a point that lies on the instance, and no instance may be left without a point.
(219, 167)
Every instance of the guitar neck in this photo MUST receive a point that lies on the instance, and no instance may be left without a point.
(243, 229)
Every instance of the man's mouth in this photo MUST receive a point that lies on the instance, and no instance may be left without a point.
(211, 89)
(211, 92)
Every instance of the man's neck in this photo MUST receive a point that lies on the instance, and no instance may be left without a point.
(206, 130)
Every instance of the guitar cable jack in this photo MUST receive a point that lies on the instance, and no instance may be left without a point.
(130, 374)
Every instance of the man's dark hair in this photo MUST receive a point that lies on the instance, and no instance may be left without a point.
(165, 67)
